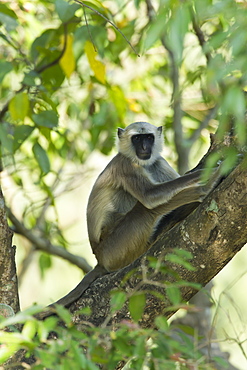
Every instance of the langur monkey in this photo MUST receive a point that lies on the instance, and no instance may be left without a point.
(129, 198)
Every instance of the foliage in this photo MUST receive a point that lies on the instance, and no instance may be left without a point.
(59, 346)
(69, 76)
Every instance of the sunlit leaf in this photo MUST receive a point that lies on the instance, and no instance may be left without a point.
(29, 329)
(137, 304)
(19, 106)
(96, 65)
(65, 10)
(67, 62)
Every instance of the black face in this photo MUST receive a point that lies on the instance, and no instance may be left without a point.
(143, 144)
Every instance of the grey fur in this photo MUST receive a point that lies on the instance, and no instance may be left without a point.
(127, 201)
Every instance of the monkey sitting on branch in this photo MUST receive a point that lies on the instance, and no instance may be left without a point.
(130, 199)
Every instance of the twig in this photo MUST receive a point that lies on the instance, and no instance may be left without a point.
(46, 246)
(203, 124)
(107, 20)
(199, 34)
(150, 10)
(88, 30)
(38, 70)
(40, 219)
(55, 61)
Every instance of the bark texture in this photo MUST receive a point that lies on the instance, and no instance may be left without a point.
(213, 234)
(9, 297)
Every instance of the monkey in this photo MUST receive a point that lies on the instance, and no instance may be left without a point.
(135, 193)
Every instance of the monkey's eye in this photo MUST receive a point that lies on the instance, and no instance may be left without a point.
(150, 137)
(136, 137)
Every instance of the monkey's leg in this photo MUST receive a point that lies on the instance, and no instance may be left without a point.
(129, 238)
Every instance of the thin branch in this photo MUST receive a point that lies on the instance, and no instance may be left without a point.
(196, 134)
(46, 246)
(107, 20)
(27, 260)
(88, 30)
(55, 61)
(177, 117)
(38, 70)
(199, 34)
(150, 10)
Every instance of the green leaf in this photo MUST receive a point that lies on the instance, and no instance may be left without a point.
(7, 11)
(5, 67)
(161, 323)
(29, 329)
(44, 263)
(221, 362)
(6, 138)
(47, 118)
(41, 158)
(19, 106)
(117, 300)
(6, 351)
(21, 133)
(156, 30)
(64, 10)
(230, 160)
(181, 257)
(179, 27)
(174, 295)
(64, 314)
(8, 18)
(137, 304)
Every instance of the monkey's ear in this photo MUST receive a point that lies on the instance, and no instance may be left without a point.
(160, 129)
(120, 131)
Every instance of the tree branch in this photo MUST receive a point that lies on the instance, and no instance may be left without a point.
(181, 148)
(196, 134)
(46, 246)
(108, 21)
(199, 34)
(214, 233)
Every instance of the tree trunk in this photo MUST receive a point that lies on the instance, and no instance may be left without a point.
(9, 298)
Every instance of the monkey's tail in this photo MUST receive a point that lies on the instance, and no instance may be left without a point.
(76, 293)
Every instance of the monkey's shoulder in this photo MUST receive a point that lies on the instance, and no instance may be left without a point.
(118, 169)
(121, 172)
(161, 171)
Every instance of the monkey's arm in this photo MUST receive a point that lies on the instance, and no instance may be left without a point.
(151, 194)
